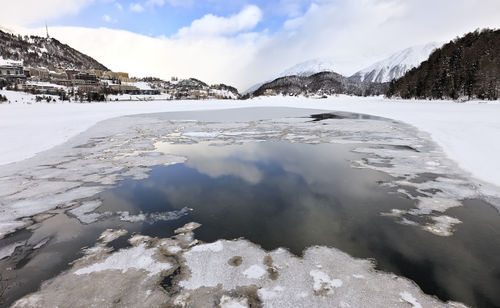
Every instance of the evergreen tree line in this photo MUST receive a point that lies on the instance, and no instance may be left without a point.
(465, 67)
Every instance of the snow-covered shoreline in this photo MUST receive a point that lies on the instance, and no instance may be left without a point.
(465, 131)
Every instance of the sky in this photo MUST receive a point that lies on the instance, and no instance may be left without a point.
(244, 42)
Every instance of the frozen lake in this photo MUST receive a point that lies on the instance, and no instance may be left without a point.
(281, 184)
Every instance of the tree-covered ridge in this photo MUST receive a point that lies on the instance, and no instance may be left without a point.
(465, 67)
(37, 51)
(323, 83)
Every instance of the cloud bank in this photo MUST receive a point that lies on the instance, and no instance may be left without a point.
(352, 34)
(26, 12)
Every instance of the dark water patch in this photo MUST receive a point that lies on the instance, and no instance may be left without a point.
(426, 177)
(462, 267)
(297, 195)
(65, 237)
(294, 203)
(343, 115)
(283, 195)
(168, 282)
(119, 243)
(325, 116)
(401, 147)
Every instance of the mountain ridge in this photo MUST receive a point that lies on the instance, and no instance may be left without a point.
(42, 52)
(467, 67)
(308, 68)
(396, 65)
(319, 84)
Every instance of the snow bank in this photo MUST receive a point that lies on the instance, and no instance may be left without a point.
(467, 132)
(27, 129)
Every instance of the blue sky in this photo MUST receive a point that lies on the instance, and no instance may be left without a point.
(165, 18)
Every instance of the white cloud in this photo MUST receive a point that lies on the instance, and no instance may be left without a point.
(108, 19)
(211, 59)
(211, 25)
(156, 2)
(136, 7)
(26, 12)
(296, 22)
(355, 33)
(170, 2)
(350, 33)
(118, 6)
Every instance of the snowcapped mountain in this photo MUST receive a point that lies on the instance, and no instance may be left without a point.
(308, 68)
(319, 84)
(396, 65)
(303, 69)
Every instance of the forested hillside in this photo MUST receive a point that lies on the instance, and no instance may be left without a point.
(466, 67)
(37, 51)
(324, 83)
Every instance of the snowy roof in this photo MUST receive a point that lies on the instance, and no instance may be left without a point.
(141, 85)
(10, 62)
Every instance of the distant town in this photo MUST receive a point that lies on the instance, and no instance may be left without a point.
(98, 85)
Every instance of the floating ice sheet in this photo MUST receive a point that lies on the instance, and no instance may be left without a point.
(154, 217)
(201, 276)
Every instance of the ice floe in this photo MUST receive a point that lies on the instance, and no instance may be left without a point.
(200, 276)
(110, 235)
(139, 258)
(84, 211)
(8, 250)
(154, 217)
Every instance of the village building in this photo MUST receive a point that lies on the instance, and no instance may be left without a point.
(98, 73)
(71, 74)
(84, 78)
(12, 71)
(57, 75)
(40, 74)
(40, 89)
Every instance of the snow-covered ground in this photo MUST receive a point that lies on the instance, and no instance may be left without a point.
(467, 132)
(45, 84)
(142, 97)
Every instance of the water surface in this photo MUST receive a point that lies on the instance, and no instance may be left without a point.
(280, 194)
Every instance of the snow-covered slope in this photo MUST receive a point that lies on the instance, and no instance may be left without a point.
(396, 65)
(303, 69)
(37, 51)
(308, 68)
